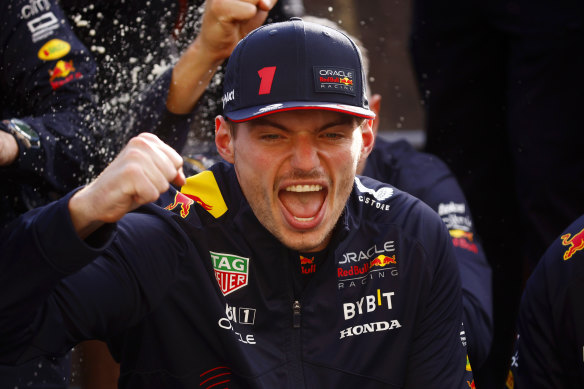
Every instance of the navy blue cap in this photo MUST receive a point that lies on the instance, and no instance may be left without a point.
(294, 65)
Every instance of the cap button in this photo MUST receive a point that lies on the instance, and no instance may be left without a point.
(295, 18)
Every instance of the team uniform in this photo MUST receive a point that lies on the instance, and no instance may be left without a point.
(45, 78)
(429, 179)
(219, 299)
(550, 342)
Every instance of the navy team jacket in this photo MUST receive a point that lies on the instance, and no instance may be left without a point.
(549, 348)
(45, 81)
(428, 178)
(194, 292)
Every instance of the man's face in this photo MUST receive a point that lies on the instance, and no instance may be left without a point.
(296, 170)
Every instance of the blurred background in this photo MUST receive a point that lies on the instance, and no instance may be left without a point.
(383, 27)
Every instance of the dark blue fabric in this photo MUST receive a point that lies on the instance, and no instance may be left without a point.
(388, 288)
(426, 177)
(59, 110)
(550, 340)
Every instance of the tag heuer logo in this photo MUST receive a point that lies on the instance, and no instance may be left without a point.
(231, 271)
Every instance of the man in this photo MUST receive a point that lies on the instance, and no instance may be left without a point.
(45, 78)
(46, 146)
(278, 269)
(550, 343)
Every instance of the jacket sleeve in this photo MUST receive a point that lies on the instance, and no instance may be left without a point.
(428, 178)
(447, 199)
(46, 76)
(64, 290)
(37, 250)
(550, 337)
(438, 356)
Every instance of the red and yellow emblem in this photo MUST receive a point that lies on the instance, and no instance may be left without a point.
(575, 242)
(204, 190)
(54, 49)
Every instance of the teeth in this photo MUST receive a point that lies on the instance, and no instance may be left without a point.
(304, 188)
(303, 219)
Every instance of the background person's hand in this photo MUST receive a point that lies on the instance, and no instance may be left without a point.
(225, 22)
(8, 149)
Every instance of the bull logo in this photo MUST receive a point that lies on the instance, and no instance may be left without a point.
(61, 70)
(576, 243)
(184, 202)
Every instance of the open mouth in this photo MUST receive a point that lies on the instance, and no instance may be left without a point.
(302, 204)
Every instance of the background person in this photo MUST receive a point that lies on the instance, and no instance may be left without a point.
(501, 83)
(46, 147)
(428, 178)
(549, 345)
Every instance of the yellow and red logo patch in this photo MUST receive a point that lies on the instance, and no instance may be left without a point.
(510, 384)
(54, 49)
(62, 73)
(383, 260)
(202, 189)
(575, 242)
(182, 201)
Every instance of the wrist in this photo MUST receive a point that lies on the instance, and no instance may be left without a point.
(8, 146)
(80, 206)
(25, 135)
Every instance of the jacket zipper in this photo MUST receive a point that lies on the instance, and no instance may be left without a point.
(296, 370)
(296, 313)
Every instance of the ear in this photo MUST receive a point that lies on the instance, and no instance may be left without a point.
(375, 106)
(224, 139)
(368, 139)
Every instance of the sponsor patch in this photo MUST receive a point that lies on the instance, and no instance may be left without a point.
(181, 202)
(34, 7)
(451, 207)
(510, 383)
(63, 73)
(378, 326)
(231, 271)
(54, 49)
(307, 265)
(43, 26)
(228, 96)
(203, 189)
(334, 80)
(379, 195)
(368, 304)
(575, 242)
(357, 268)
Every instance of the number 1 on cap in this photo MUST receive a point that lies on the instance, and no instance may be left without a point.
(267, 76)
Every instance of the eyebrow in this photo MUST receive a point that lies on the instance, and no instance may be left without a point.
(265, 121)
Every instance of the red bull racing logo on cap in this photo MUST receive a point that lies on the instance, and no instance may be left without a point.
(231, 271)
(575, 242)
(334, 80)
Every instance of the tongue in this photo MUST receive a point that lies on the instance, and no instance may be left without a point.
(305, 204)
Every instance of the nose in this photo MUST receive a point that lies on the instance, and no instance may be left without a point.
(304, 153)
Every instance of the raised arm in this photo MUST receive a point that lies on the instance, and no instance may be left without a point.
(140, 173)
(225, 22)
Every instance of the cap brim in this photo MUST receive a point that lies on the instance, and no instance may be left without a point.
(244, 114)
